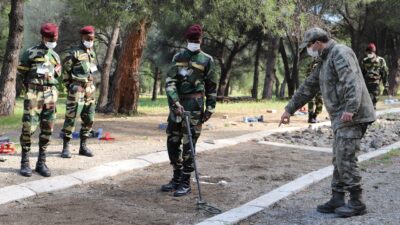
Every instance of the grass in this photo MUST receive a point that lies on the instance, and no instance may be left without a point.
(386, 159)
(14, 121)
(158, 107)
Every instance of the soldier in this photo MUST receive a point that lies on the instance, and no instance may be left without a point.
(316, 101)
(339, 78)
(374, 70)
(39, 67)
(79, 67)
(190, 78)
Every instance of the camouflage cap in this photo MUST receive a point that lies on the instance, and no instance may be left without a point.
(311, 35)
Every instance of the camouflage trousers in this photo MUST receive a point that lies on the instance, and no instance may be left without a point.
(374, 91)
(317, 102)
(80, 101)
(39, 109)
(346, 173)
(181, 158)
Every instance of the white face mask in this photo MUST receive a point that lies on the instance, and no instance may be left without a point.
(312, 53)
(193, 46)
(88, 44)
(371, 55)
(50, 45)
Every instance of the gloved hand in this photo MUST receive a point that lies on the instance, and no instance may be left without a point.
(178, 109)
(206, 116)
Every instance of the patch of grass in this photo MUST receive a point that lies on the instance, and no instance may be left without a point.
(15, 121)
(386, 159)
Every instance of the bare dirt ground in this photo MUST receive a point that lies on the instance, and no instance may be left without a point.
(381, 193)
(134, 136)
(384, 131)
(248, 169)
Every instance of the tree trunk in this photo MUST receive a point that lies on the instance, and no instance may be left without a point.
(270, 67)
(126, 88)
(254, 91)
(288, 80)
(105, 75)
(155, 84)
(277, 85)
(226, 72)
(10, 62)
(161, 87)
(394, 71)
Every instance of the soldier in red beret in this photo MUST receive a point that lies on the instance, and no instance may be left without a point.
(39, 67)
(374, 70)
(190, 86)
(79, 67)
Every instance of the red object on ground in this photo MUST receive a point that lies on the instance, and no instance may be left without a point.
(7, 148)
(107, 137)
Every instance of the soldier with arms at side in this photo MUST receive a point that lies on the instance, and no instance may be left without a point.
(374, 70)
(339, 78)
(79, 67)
(316, 104)
(190, 79)
(39, 67)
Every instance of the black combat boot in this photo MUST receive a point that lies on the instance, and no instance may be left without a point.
(65, 151)
(311, 117)
(354, 207)
(26, 170)
(184, 186)
(335, 202)
(41, 167)
(174, 183)
(83, 149)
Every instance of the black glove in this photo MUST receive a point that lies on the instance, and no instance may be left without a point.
(178, 109)
(206, 116)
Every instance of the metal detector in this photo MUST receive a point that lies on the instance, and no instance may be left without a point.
(200, 203)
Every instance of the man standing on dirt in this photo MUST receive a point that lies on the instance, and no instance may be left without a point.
(39, 67)
(374, 70)
(79, 67)
(190, 78)
(340, 80)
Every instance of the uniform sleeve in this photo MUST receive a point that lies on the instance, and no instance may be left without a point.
(67, 63)
(24, 64)
(384, 74)
(171, 82)
(347, 69)
(210, 84)
(305, 93)
(363, 70)
(57, 67)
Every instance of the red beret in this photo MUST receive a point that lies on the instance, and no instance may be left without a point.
(194, 32)
(371, 47)
(49, 30)
(87, 30)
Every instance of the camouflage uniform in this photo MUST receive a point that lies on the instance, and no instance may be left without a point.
(317, 100)
(39, 67)
(191, 77)
(374, 70)
(339, 79)
(79, 66)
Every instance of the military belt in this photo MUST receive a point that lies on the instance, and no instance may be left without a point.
(39, 87)
(82, 84)
(191, 96)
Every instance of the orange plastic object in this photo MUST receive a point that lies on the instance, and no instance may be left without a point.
(7, 148)
(107, 137)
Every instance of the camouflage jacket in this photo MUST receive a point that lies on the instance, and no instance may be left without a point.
(374, 70)
(192, 72)
(39, 65)
(340, 80)
(79, 64)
